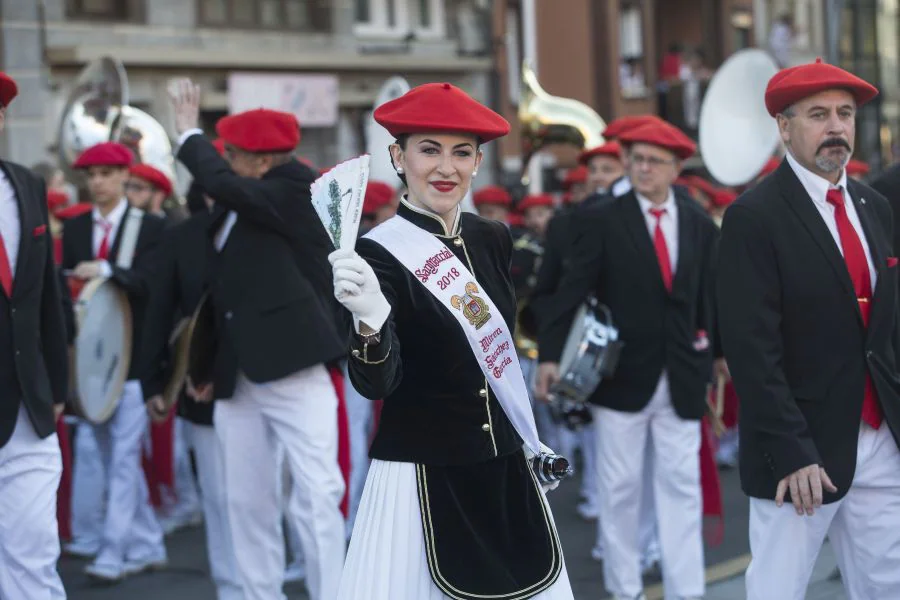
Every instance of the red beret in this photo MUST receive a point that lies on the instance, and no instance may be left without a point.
(219, 145)
(492, 194)
(535, 200)
(577, 175)
(723, 197)
(56, 200)
(260, 130)
(70, 212)
(663, 135)
(612, 149)
(796, 83)
(107, 154)
(697, 182)
(770, 166)
(8, 89)
(857, 167)
(440, 107)
(515, 219)
(619, 126)
(153, 176)
(378, 194)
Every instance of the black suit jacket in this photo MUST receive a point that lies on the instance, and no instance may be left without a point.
(438, 407)
(180, 276)
(793, 334)
(614, 259)
(33, 352)
(271, 284)
(78, 246)
(888, 184)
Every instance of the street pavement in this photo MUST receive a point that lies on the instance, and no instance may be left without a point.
(187, 577)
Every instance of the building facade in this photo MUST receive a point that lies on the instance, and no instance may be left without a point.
(355, 45)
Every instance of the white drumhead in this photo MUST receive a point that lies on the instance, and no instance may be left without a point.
(102, 348)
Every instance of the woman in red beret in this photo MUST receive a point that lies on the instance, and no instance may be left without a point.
(453, 505)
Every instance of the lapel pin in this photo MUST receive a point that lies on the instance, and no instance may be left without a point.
(862, 200)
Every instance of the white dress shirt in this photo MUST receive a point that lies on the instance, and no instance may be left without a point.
(621, 186)
(668, 223)
(817, 187)
(10, 226)
(221, 235)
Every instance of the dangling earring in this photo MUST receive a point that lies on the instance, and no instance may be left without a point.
(475, 172)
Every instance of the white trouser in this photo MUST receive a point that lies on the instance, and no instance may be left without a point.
(300, 413)
(360, 415)
(88, 488)
(30, 469)
(648, 537)
(863, 526)
(589, 487)
(219, 546)
(130, 529)
(290, 494)
(184, 499)
(675, 444)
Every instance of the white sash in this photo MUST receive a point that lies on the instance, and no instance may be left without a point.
(445, 276)
(130, 231)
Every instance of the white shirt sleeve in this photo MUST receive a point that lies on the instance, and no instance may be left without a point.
(184, 136)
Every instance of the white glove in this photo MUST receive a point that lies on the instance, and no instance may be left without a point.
(356, 287)
(529, 455)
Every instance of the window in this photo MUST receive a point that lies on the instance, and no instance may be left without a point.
(632, 79)
(104, 10)
(294, 15)
(398, 18)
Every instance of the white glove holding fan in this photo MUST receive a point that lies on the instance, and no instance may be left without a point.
(356, 287)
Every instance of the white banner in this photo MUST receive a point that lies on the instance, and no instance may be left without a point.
(313, 99)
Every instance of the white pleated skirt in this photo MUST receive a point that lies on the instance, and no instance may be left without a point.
(386, 559)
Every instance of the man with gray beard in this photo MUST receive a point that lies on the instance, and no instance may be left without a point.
(807, 305)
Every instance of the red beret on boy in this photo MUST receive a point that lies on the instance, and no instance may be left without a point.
(577, 175)
(535, 200)
(153, 176)
(440, 107)
(857, 167)
(378, 194)
(492, 194)
(796, 83)
(260, 130)
(106, 154)
(612, 149)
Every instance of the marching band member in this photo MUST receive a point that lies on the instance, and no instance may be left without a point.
(604, 166)
(575, 185)
(493, 202)
(269, 286)
(132, 537)
(180, 277)
(648, 257)
(449, 448)
(33, 380)
(147, 188)
(807, 299)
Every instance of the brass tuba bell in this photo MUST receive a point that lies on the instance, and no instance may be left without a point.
(547, 120)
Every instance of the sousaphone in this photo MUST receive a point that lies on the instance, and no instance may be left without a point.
(737, 134)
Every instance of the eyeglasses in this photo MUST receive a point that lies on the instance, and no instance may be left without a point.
(136, 187)
(650, 161)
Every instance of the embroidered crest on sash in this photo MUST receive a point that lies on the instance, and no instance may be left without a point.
(473, 307)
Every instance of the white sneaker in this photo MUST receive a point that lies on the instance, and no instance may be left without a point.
(296, 571)
(134, 566)
(181, 521)
(81, 549)
(105, 572)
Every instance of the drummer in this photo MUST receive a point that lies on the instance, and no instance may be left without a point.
(92, 242)
(147, 188)
(446, 448)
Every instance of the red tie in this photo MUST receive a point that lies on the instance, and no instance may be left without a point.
(855, 257)
(6, 278)
(662, 250)
(103, 252)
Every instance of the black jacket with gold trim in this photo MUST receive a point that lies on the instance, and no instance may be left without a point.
(438, 408)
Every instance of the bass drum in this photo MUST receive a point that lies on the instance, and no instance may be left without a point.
(102, 353)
